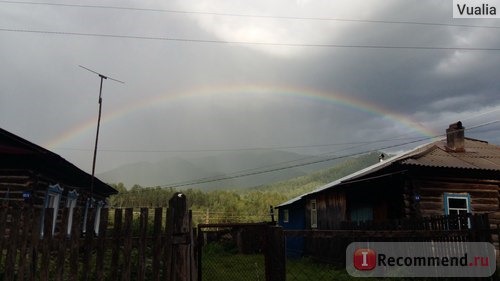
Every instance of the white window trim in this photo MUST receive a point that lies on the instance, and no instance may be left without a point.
(71, 205)
(88, 205)
(286, 215)
(448, 196)
(52, 198)
(314, 213)
(97, 220)
(465, 196)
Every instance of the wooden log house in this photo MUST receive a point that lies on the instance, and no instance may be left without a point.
(455, 175)
(34, 176)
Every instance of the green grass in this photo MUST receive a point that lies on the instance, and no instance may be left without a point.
(305, 269)
(220, 262)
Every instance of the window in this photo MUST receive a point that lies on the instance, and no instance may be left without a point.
(52, 200)
(71, 204)
(314, 214)
(457, 204)
(361, 213)
(286, 215)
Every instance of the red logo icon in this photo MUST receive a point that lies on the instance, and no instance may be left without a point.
(365, 259)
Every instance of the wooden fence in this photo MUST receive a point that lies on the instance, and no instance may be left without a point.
(159, 244)
(130, 245)
(329, 245)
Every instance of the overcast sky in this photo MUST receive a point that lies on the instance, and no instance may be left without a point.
(222, 75)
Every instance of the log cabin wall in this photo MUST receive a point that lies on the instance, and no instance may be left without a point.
(330, 210)
(13, 183)
(484, 195)
(385, 196)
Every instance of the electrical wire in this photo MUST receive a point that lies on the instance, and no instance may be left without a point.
(229, 42)
(233, 149)
(195, 182)
(200, 181)
(248, 15)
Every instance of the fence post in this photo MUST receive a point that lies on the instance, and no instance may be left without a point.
(275, 258)
(181, 263)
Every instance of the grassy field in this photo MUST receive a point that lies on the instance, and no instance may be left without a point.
(221, 263)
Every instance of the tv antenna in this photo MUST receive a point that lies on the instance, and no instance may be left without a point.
(102, 76)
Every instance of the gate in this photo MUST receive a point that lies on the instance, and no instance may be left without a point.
(241, 252)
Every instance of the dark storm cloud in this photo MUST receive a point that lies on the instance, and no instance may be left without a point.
(44, 93)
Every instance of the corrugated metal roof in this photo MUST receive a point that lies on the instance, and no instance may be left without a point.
(355, 175)
(478, 155)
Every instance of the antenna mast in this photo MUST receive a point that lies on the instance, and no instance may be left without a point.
(98, 124)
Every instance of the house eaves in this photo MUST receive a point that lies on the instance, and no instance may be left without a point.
(50, 163)
(353, 176)
(478, 155)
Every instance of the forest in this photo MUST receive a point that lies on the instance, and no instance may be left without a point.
(237, 204)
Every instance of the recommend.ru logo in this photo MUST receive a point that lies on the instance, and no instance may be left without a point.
(420, 259)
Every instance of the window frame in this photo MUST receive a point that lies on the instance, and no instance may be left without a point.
(97, 219)
(88, 205)
(52, 200)
(286, 215)
(314, 213)
(468, 209)
(71, 202)
(448, 196)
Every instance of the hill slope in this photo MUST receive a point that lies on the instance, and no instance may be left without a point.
(240, 205)
(178, 170)
(300, 185)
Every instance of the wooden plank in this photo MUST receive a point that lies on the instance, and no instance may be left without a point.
(101, 245)
(47, 240)
(117, 240)
(35, 241)
(10, 259)
(143, 227)
(127, 245)
(484, 208)
(199, 247)
(432, 206)
(3, 223)
(75, 244)
(425, 179)
(27, 228)
(275, 258)
(167, 245)
(157, 245)
(180, 261)
(61, 239)
(88, 245)
(193, 253)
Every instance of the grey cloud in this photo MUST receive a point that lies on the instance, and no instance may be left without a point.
(44, 93)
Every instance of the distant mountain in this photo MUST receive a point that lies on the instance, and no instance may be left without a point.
(180, 171)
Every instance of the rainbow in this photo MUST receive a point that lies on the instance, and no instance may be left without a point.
(306, 95)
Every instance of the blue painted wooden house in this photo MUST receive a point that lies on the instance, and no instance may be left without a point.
(454, 175)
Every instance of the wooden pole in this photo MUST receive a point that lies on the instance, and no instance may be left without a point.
(275, 258)
(180, 259)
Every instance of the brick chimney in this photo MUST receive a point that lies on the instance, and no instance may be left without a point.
(455, 137)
